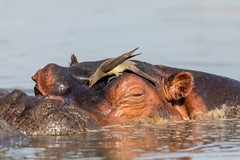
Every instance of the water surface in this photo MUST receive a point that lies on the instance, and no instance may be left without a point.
(201, 35)
(216, 139)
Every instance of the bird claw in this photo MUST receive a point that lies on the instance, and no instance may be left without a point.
(115, 76)
(111, 78)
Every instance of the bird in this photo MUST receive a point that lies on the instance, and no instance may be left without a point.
(116, 66)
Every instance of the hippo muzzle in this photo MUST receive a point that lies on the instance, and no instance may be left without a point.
(52, 80)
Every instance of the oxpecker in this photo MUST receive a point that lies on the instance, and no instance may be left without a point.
(116, 66)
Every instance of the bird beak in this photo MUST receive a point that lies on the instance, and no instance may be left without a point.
(80, 78)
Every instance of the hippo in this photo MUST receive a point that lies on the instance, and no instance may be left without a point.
(10, 136)
(64, 103)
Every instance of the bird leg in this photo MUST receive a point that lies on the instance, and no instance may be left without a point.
(114, 76)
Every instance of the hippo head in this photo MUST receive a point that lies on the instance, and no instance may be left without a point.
(121, 100)
(52, 80)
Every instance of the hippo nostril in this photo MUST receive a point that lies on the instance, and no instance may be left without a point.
(34, 77)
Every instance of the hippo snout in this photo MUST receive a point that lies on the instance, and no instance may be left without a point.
(53, 80)
(34, 77)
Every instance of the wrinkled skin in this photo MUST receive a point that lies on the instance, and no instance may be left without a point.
(66, 105)
(43, 116)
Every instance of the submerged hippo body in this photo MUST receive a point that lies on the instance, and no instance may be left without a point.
(65, 104)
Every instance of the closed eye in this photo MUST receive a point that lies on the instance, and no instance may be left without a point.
(135, 92)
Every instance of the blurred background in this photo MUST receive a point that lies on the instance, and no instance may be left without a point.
(193, 34)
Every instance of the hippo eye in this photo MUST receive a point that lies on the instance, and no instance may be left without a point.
(135, 92)
(133, 95)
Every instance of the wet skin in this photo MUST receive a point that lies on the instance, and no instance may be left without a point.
(66, 105)
(122, 100)
(180, 94)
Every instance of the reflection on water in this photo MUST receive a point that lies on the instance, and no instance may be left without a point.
(173, 140)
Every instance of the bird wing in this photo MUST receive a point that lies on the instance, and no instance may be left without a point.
(132, 67)
(110, 64)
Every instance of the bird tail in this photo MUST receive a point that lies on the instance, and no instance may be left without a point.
(114, 62)
(144, 75)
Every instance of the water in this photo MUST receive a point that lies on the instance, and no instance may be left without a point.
(201, 35)
(218, 139)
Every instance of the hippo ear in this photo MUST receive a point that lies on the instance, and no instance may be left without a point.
(178, 85)
(73, 60)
